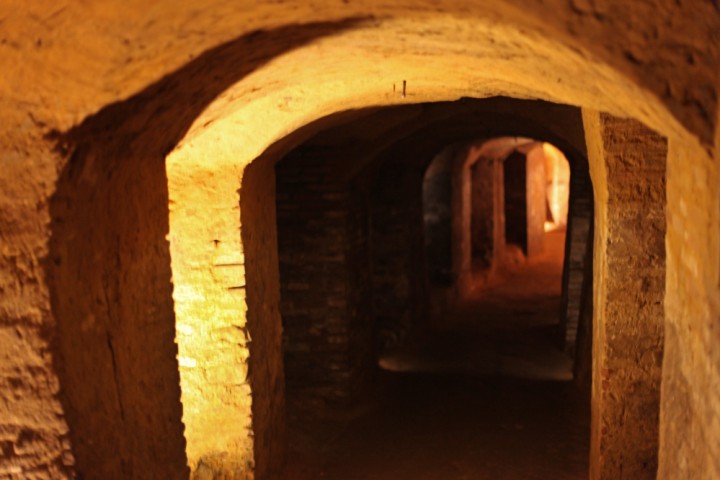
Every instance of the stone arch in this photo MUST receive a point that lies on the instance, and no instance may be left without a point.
(404, 144)
(222, 160)
(257, 182)
(234, 130)
(109, 270)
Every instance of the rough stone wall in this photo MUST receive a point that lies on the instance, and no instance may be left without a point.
(54, 77)
(578, 242)
(34, 439)
(211, 301)
(479, 211)
(628, 172)
(111, 292)
(132, 139)
(264, 326)
(645, 41)
(690, 415)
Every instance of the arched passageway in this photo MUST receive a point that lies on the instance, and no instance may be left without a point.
(336, 246)
(174, 182)
(340, 234)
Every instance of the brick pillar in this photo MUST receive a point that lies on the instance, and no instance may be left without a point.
(627, 164)
(483, 212)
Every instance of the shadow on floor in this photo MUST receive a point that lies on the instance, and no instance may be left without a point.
(481, 393)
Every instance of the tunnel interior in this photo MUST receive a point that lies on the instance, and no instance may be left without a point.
(398, 272)
(237, 241)
(348, 325)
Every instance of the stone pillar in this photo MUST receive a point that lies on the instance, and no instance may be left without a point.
(690, 413)
(483, 212)
(208, 268)
(536, 188)
(461, 186)
(627, 164)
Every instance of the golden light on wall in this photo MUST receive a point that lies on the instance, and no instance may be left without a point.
(558, 187)
(209, 295)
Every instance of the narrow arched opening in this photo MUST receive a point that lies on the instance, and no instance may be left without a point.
(340, 208)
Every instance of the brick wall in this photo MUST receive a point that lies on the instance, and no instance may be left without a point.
(322, 243)
(397, 251)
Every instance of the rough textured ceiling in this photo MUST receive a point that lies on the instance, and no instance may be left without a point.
(63, 61)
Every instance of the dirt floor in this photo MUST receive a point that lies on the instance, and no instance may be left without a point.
(481, 393)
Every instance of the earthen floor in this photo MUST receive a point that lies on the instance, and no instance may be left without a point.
(481, 394)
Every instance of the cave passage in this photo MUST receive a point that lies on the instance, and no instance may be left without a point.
(481, 391)
(422, 296)
(322, 228)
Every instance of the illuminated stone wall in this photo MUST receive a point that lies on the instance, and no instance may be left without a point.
(210, 88)
(690, 395)
(536, 188)
(627, 162)
(211, 302)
